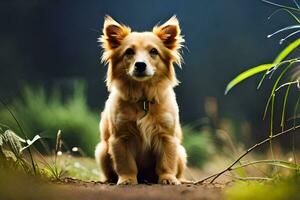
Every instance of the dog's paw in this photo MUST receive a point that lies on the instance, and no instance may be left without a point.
(168, 179)
(126, 180)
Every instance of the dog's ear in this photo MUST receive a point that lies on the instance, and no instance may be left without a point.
(113, 33)
(169, 33)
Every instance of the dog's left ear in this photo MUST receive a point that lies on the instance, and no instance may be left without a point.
(169, 33)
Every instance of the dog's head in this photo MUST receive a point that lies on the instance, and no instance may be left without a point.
(141, 56)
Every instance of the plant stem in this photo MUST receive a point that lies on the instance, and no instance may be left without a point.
(230, 167)
(23, 133)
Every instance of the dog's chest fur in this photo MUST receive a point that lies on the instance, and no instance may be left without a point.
(133, 121)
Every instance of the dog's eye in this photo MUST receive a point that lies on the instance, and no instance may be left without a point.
(129, 52)
(153, 51)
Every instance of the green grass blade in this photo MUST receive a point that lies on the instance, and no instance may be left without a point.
(286, 10)
(296, 3)
(246, 74)
(267, 106)
(283, 54)
(281, 6)
(279, 163)
(284, 106)
(272, 116)
(255, 70)
(275, 86)
(296, 110)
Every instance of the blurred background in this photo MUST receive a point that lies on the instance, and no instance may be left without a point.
(52, 77)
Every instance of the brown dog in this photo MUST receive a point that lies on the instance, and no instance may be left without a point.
(140, 129)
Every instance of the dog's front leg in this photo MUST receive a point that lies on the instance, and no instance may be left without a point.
(124, 162)
(166, 160)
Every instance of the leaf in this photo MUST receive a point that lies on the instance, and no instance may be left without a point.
(278, 61)
(9, 154)
(283, 54)
(284, 107)
(272, 95)
(247, 74)
(13, 141)
(30, 142)
(279, 163)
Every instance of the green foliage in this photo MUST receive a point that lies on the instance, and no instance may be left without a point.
(277, 189)
(265, 67)
(272, 67)
(11, 152)
(280, 62)
(38, 112)
(198, 146)
(247, 74)
(81, 168)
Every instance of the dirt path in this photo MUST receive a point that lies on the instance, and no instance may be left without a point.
(94, 190)
(78, 190)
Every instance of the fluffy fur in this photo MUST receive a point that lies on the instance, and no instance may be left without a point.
(137, 146)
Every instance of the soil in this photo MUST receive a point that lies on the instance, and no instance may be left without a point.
(97, 190)
(79, 190)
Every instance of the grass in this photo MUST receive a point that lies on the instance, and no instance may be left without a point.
(280, 186)
(287, 188)
(39, 112)
(81, 168)
(280, 63)
(198, 145)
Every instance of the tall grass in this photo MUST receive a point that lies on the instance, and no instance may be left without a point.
(284, 62)
(42, 113)
(198, 145)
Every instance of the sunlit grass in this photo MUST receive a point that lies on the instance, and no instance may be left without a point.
(287, 188)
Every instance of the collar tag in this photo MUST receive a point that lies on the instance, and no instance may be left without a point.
(146, 106)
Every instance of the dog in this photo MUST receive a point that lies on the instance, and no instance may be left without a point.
(140, 128)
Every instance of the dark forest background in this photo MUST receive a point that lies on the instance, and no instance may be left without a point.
(54, 42)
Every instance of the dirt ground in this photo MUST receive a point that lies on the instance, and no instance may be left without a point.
(28, 189)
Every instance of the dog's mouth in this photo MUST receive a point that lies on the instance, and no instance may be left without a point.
(141, 76)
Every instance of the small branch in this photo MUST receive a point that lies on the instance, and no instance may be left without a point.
(251, 178)
(230, 167)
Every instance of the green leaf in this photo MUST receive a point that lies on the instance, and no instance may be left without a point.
(282, 6)
(247, 74)
(283, 54)
(284, 107)
(278, 61)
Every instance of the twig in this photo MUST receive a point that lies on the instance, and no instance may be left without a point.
(230, 167)
(251, 178)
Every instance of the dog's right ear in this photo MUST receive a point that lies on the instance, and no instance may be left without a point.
(113, 33)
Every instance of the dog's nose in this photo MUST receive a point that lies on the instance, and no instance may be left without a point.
(140, 67)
